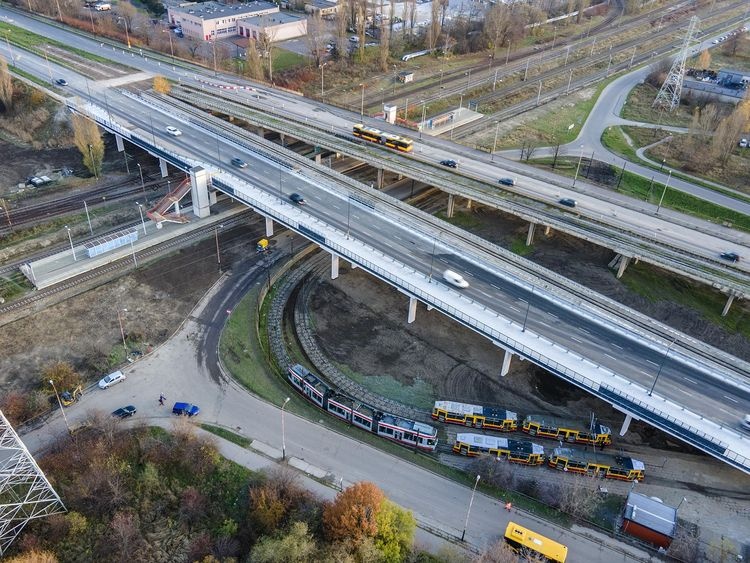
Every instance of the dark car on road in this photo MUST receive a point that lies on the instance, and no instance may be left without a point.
(297, 199)
(568, 202)
(507, 181)
(239, 163)
(61, 82)
(449, 163)
(731, 256)
(124, 412)
(185, 409)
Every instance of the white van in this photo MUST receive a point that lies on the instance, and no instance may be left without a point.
(746, 422)
(455, 279)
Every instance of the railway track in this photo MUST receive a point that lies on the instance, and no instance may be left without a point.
(598, 64)
(24, 216)
(469, 243)
(454, 83)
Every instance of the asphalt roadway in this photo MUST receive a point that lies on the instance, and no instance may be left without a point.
(185, 368)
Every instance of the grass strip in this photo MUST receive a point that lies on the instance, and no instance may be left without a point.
(227, 435)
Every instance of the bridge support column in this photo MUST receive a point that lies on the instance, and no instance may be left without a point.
(199, 192)
(624, 261)
(282, 137)
(119, 143)
(506, 363)
(212, 197)
(260, 132)
(728, 304)
(163, 168)
(530, 234)
(353, 266)
(317, 158)
(468, 204)
(430, 307)
(380, 178)
(547, 230)
(412, 310)
(451, 205)
(269, 227)
(334, 266)
(625, 424)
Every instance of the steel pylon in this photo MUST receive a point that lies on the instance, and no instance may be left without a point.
(669, 96)
(25, 493)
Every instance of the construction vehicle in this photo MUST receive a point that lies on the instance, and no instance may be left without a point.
(262, 245)
(67, 398)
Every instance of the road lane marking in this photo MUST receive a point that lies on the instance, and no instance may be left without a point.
(731, 399)
(584, 330)
(576, 339)
(552, 315)
(615, 345)
(514, 308)
(609, 356)
(652, 363)
(690, 380)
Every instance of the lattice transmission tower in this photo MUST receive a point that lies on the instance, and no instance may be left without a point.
(25, 493)
(669, 96)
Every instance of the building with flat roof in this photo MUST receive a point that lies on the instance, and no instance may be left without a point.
(650, 520)
(210, 21)
(324, 8)
(278, 26)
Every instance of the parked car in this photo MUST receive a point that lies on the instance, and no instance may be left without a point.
(455, 279)
(239, 163)
(507, 181)
(449, 163)
(743, 143)
(731, 256)
(568, 202)
(61, 82)
(185, 409)
(124, 412)
(297, 199)
(111, 379)
(173, 131)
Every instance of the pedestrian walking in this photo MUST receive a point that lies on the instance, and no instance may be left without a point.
(508, 506)
(161, 399)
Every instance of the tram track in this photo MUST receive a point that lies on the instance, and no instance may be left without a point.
(472, 244)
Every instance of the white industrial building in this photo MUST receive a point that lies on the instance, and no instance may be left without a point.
(210, 21)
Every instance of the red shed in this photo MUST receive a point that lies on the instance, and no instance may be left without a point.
(650, 520)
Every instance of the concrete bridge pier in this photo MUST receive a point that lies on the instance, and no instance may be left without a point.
(317, 158)
(269, 227)
(260, 132)
(163, 167)
(199, 192)
(412, 310)
(282, 137)
(468, 204)
(547, 230)
(621, 261)
(625, 424)
(530, 234)
(119, 143)
(334, 266)
(728, 304)
(380, 178)
(451, 206)
(507, 355)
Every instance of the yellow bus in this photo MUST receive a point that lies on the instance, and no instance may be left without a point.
(526, 542)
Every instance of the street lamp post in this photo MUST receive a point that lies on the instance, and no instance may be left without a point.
(661, 366)
(424, 110)
(661, 199)
(88, 217)
(143, 185)
(507, 55)
(122, 330)
(283, 433)
(468, 512)
(46, 58)
(321, 79)
(432, 260)
(140, 210)
(362, 103)
(468, 80)
(580, 158)
(494, 144)
(171, 49)
(7, 41)
(7, 213)
(218, 252)
(70, 238)
(62, 410)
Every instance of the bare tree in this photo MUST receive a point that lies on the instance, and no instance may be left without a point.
(433, 33)
(582, 5)
(360, 25)
(725, 138)
(384, 49)
(254, 64)
(580, 496)
(704, 59)
(685, 544)
(342, 18)
(6, 86)
(126, 534)
(498, 552)
(316, 37)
